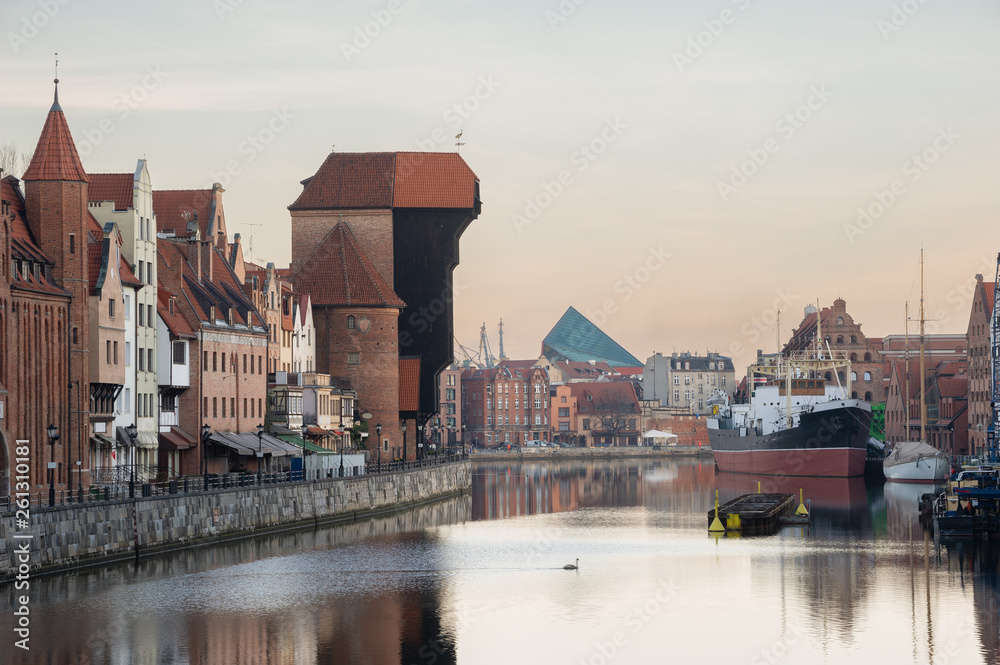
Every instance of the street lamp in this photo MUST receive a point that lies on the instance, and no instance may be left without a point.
(378, 433)
(463, 439)
(260, 452)
(402, 425)
(132, 432)
(206, 434)
(53, 433)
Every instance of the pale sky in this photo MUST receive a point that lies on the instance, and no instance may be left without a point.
(834, 100)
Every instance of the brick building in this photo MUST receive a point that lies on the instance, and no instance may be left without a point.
(979, 337)
(397, 218)
(507, 404)
(45, 312)
(599, 413)
(228, 354)
(841, 333)
(445, 429)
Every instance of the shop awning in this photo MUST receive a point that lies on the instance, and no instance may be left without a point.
(248, 444)
(102, 441)
(298, 441)
(142, 439)
(176, 439)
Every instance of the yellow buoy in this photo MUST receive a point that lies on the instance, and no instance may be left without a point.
(733, 522)
(801, 510)
(716, 525)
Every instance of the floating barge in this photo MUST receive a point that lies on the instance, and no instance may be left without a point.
(756, 514)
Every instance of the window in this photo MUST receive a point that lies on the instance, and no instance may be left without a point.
(149, 316)
(563, 399)
(251, 364)
(128, 306)
(354, 358)
(244, 363)
(223, 361)
(538, 420)
(72, 243)
(107, 356)
(260, 364)
(215, 361)
(489, 420)
(180, 353)
(563, 427)
(677, 380)
(141, 355)
(449, 393)
(128, 353)
(489, 402)
(868, 376)
(140, 270)
(151, 364)
(260, 410)
(538, 403)
(854, 376)
(677, 395)
(215, 407)
(111, 307)
(251, 409)
(586, 423)
(223, 407)
(350, 323)
(75, 329)
(204, 406)
(116, 352)
(564, 412)
(687, 380)
(244, 407)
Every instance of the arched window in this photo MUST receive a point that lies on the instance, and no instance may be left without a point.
(350, 322)
(868, 357)
(854, 339)
(840, 320)
(854, 394)
(868, 396)
(868, 376)
(829, 377)
(840, 339)
(854, 357)
(840, 375)
(854, 376)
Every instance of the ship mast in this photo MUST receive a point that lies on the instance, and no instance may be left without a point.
(923, 401)
(906, 376)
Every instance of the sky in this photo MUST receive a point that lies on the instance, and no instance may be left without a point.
(677, 171)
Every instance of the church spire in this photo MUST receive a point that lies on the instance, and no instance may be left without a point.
(55, 156)
(55, 98)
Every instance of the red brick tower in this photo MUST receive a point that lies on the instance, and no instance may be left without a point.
(55, 185)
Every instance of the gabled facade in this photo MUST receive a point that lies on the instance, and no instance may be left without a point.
(508, 404)
(597, 414)
(173, 373)
(979, 338)
(303, 336)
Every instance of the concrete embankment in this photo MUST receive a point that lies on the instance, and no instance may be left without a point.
(530, 453)
(72, 536)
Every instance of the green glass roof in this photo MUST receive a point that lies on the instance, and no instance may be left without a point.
(576, 338)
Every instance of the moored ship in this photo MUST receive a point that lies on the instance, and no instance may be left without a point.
(796, 423)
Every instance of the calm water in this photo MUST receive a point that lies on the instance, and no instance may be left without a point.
(479, 580)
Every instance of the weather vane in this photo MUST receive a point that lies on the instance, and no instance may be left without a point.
(458, 142)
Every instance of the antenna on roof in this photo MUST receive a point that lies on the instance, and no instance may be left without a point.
(250, 252)
(458, 142)
(333, 148)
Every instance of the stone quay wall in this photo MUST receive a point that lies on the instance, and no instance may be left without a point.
(73, 536)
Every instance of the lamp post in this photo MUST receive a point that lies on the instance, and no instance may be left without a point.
(260, 451)
(206, 434)
(79, 443)
(378, 433)
(463, 439)
(132, 432)
(402, 425)
(53, 434)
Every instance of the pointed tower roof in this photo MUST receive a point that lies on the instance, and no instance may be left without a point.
(339, 273)
(55, 155)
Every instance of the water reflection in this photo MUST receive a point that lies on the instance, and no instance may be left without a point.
(478, 580)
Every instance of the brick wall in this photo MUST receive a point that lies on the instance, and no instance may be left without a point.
(372, 228)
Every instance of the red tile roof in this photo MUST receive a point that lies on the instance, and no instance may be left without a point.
(174, 208)
(125, 271)
(55, 156)
(433, 180)
(389, 180)
(953, 386)
(339, 273)
(605, 393)
(176, 323)
(409, 384)
(990, 295)
(93, 263)
(117, 187)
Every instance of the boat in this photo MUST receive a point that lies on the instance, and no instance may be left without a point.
(969, 505)
(795, 423)
(917, 461)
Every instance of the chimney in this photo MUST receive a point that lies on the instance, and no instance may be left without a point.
(194, 252)
(206, 260)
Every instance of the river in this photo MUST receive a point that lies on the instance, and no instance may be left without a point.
(479, 579)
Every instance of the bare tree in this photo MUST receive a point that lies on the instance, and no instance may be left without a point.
(13, 161)
(615, 414)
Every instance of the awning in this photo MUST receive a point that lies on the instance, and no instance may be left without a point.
(248, 444)
(142, 439)
(102, 441)
(176, 439)
(298, 441)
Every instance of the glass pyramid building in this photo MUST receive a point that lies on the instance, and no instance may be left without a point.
(575, 338)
